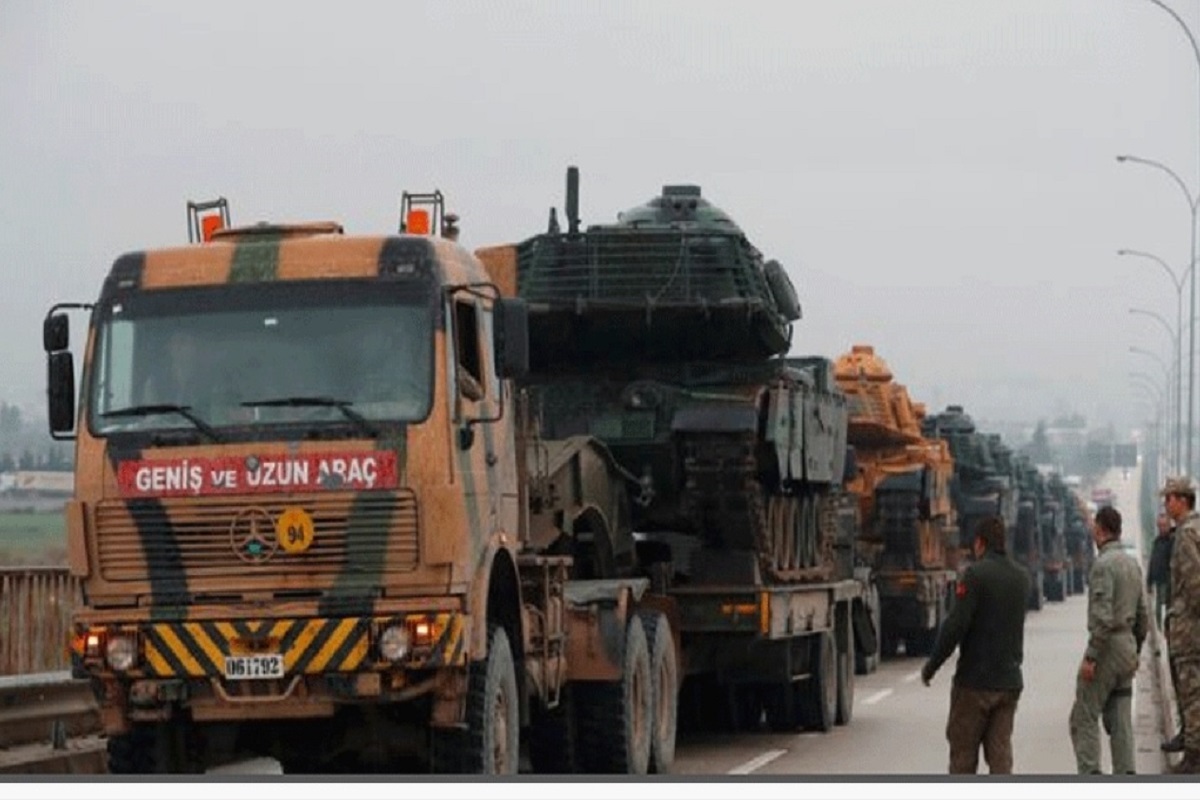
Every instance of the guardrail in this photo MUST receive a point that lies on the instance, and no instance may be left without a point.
(49, 724)
(35, 618)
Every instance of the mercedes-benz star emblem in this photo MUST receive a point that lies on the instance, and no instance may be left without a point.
(252, 535)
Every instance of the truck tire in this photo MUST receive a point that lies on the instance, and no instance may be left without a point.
(664, 682)
(1056, 588)
(553, 736)
(1036, 593)
(779, 701)
(845, 682)
(154, 749)
(615, 717)
(490, 744)
(866, 662)
(819, 694)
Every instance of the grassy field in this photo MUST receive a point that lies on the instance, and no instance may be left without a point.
(32, 538)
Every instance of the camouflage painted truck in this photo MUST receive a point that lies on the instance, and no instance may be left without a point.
(662, 335)
(312, 524)
(902, 481)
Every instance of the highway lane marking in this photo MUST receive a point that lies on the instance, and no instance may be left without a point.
(912, 676)
(756, 763)
(875, 698)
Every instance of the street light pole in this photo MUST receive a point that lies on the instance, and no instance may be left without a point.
(1192, 257)
(1193, 202)
(1156, 429)
(1171, 376)
(1159, 420)
(1174, 336)
(1177, 281)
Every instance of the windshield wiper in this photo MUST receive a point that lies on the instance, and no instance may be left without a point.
(344, 406)
(167, 408)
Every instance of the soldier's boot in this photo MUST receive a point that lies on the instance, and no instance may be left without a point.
(1190, 765)
(1174, 744)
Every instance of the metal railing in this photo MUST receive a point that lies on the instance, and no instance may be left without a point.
(35, 618)
(641, 268)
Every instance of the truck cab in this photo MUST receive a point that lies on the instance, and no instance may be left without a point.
(306, 517)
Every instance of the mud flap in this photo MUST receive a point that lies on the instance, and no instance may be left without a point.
(866, 638)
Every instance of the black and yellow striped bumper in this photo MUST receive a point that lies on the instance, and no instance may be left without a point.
(312, 646)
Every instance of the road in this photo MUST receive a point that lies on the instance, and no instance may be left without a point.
(898, 725)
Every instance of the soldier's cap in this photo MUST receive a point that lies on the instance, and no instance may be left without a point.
(1180, 485)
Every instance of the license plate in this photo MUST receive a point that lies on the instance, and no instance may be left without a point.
(268, 665)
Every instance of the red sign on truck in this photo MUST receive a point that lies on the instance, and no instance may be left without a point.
(182, 477)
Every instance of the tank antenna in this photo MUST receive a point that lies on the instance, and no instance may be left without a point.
(572, 206)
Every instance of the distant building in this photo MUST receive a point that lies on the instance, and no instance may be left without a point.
(37, 483)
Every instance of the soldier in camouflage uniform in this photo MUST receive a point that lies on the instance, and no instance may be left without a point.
(1183, 617)
(1118, 620)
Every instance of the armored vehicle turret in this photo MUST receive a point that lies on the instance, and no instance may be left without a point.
(664, 334)
(983, 473)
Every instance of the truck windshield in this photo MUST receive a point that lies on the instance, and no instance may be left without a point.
(220, 352)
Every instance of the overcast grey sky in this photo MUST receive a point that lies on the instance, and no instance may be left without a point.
(938, 176)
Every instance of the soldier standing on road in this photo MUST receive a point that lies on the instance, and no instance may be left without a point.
(1183, 616)
(987, 624)
(1117, 625)
(1158, 572)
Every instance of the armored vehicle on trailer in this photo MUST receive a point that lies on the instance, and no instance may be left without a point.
(664, 335)
(1057, 565)
(902, 481)
(983, 475)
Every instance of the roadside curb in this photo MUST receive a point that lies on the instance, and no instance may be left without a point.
(1168, 721)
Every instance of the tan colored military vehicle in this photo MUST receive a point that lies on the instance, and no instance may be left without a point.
(902, 480)
(312, 524)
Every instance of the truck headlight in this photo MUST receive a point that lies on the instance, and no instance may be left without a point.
(394, 642)
(121, 652)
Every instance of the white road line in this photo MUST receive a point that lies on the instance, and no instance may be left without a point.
(912, 676)
(756, 763)
(875, 698)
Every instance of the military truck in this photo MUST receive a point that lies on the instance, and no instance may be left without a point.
(1058, 566)
(664, 335)
(313, 521)
(984, 482)
(1027, 544)
(902, 481)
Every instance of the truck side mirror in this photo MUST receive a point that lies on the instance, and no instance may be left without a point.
(511, 318)
(56, 333)
(60, 392)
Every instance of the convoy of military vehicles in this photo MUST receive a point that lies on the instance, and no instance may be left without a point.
(345, 500)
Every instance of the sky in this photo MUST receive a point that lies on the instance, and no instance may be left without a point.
(937, 176)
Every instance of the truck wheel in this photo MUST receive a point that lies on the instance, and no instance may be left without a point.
(1036, 593)
(866, 662)
(553, 737)
(615, 717)
(154, 749)
(490, 744)
(920, 643)
(664, 681)
(820, 692)
(845, 681)
(747, 701)
(780, 700)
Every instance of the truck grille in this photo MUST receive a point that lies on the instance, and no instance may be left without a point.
(193, 536)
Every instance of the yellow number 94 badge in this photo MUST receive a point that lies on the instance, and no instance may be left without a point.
(294, 530)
